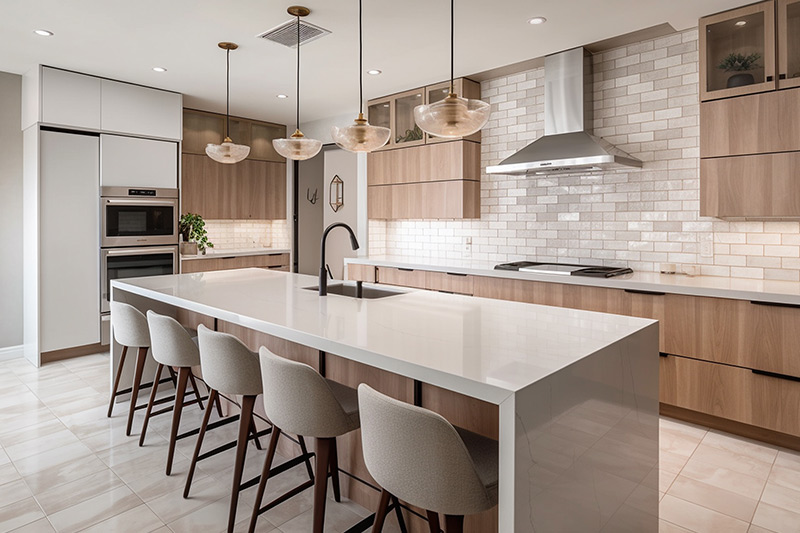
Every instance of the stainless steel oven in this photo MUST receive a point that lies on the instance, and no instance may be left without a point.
(121, 263)
(138, 217)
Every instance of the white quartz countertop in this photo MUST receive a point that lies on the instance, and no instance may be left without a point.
(783, 292)
(484, 348)
(212, 253)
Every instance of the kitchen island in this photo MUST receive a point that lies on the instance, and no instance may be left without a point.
(573, 395)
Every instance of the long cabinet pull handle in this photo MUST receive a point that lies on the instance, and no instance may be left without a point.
(769, 78)
(651, 293)
(774, 375)
(406, 269)
(782, 76)
(229, 257)
(663, 354)
(774, 304)
(456, 274)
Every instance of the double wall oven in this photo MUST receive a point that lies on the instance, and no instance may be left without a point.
(139, 235)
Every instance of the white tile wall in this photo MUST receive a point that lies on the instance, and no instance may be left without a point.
(242, 234)
(646, 102)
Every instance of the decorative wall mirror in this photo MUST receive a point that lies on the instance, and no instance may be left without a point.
(336, 193)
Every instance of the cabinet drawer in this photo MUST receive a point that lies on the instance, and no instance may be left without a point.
(736, 332)
(755, 124)
(449, 282)
(750, 186)
(732, 393)
(402, 277)
(270, 261)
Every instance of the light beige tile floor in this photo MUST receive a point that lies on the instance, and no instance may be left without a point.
(65, 467)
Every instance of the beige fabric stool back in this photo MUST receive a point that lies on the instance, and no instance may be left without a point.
(228, 365)
(418, 456)
(299, 400)
(171, 343)
(130, 325)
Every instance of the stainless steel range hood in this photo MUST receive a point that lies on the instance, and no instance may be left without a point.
(567, 145)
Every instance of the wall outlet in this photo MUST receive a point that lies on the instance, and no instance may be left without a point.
(468, 244)
(707, 245)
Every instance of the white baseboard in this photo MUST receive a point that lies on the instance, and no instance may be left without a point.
(10, 352)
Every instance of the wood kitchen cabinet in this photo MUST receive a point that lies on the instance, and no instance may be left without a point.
(788, 43)
(247, 190)
(463, 87)
(278, 261)
(201, 128)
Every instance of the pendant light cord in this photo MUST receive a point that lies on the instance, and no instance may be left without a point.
(360, 63)
(228, 93)
(297, 108)
(452, 41)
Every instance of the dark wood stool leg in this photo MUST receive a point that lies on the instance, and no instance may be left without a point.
(304, 451)
(321, 483)
(262, 485)
(195, 389)
(141, 356)
(180, 393)
(212, 395)
(172, 376)
(116, 381)
(254, 433)
(433, 521)
(334, 468)
(219, 403)
(380, 514)
(245, 419)
(153, 392)
(399, 512)
(453, 523)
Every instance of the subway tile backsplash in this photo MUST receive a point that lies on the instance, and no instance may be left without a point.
(243, 234)
(646, 103)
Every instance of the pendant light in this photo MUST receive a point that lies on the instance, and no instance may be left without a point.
(298, 147)
(227, 152)
(360, 136)
(452, 117)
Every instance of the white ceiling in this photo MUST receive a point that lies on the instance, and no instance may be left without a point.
(408, 40)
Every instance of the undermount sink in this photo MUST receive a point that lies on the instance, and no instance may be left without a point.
(368, 292)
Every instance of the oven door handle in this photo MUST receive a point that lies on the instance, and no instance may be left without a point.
(143, 251)
(137, 201)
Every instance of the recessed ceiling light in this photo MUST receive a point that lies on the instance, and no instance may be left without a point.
(43, 33)
(159, 69)
(537, 20)
(374, 72)
(281, 96)
(741, 22)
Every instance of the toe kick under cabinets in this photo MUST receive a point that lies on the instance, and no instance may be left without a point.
(726, 363)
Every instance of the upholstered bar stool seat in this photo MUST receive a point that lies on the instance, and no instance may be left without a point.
(298, 400)
(418, 456)
(130, 331)
(172, 346)
(230, 369)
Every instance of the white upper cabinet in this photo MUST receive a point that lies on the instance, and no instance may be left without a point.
(141, 111)
(70, 99)
(133, 162)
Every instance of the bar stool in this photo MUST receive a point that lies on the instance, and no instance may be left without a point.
(230, 368)
(131, 331)
(418, 456)
(173, 347)
(299, 400)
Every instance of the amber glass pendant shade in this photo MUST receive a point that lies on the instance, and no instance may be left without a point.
(360, 136)
(227, 152)
(297, 147)
(452, 117)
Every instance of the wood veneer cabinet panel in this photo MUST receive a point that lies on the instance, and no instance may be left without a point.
(192, 187)
(379, 167)
(441, 199)
(270, 261)
(504, 289)
(401, 277)
(449, 282)
(754, 124)
(361, 272)
(770, 338)
(752, 185)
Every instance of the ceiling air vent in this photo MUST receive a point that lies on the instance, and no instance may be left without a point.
(286, 33)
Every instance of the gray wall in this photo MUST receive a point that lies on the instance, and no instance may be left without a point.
(10, 210)
(344, 164)
(310, 217)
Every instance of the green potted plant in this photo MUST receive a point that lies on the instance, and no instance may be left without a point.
(740, 64)
(194, 234)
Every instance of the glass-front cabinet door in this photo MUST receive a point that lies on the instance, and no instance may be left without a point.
(737, 51)
(405, 130)
(381, 113)
(261, 137)
(788, 43)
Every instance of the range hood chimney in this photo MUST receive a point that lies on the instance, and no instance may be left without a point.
(567, 145)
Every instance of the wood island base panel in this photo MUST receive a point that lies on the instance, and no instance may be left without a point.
(571, 396)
